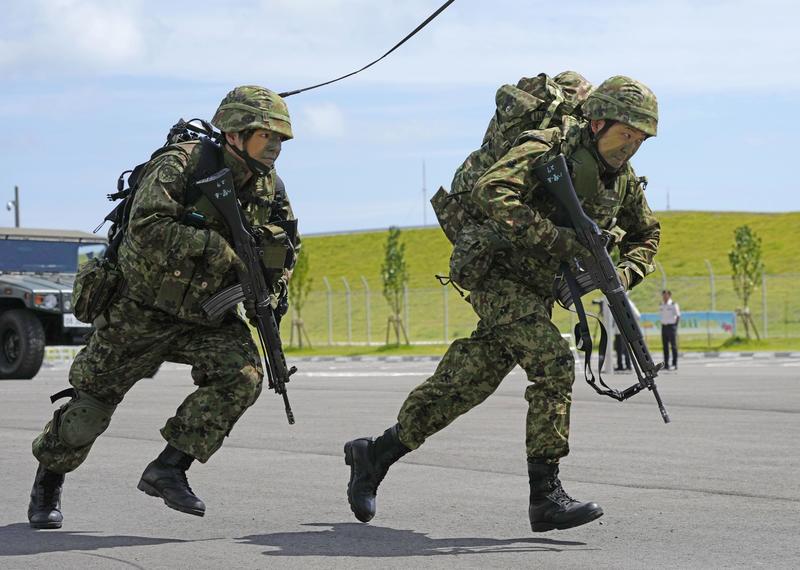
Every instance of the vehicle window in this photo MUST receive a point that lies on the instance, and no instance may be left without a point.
(89, 251)
(38, 256)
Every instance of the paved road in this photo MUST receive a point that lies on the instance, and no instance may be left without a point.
(717, 488)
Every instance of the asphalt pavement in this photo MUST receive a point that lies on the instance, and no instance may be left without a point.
(716, 488)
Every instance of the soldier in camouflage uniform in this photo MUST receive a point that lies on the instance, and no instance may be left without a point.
(514, 300)
(170, 266)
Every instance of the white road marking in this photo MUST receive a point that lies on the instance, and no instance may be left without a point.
(360, 374)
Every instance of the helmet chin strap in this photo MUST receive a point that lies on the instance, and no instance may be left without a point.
(596, 137)
(256, 167)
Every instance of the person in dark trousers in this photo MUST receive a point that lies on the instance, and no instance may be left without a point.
(623, 354)
(670, 318)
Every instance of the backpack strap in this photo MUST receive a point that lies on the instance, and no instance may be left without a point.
(550, 113)
(209, 161)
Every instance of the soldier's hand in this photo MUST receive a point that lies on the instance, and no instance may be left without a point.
(249, 310)
(222, 254)
(566, 245)
(280, 289)
(622, 273)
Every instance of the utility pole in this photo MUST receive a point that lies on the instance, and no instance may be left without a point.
(424, 197)
(14, 204)
(667, 199)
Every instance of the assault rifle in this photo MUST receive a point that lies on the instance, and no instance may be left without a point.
(601, 273)
(220, 191)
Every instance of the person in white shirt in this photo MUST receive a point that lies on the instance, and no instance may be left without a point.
(670, 317)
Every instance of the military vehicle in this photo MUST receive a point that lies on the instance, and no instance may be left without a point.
(37, 270)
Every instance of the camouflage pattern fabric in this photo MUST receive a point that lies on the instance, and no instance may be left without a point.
(472, 369)
(253, 107)
(173, 266)
(226, 369)
(523, 213)
(515, 298)
(169, 268)
(626, 100)
(534, 103)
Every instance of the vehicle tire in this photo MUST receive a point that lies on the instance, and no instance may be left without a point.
(21, 344)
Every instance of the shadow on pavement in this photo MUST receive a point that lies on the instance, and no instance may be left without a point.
(360, 540)
(19, 539)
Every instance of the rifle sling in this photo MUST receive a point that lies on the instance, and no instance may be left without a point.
(583, 339)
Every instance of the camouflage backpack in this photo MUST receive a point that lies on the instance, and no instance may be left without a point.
(535, 103)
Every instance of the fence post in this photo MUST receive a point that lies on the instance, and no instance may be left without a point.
(713, 290)
(329, 295)
(349, 307)
(405, 310)
(764, 303)
(446, 315)
(663, 276)
(366, 306)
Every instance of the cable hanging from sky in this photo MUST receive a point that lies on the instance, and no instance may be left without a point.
(430, 18)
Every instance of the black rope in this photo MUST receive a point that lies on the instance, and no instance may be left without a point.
(441, 9)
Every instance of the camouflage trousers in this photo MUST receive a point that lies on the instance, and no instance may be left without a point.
(226, 368)
(472, 369)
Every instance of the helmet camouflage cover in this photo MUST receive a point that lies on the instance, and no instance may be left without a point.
(626, 100)
(253, 107)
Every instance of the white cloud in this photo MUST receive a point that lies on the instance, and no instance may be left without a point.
(71, 37)
(323, 120)
(683, 45)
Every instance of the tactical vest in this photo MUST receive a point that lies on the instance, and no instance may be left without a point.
(537, 104)
(478, 249)
(179, 285)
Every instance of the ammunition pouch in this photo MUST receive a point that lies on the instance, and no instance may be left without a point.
(473, 253)
(81, 420)
(96, 285)
(276, 248)
(450, 213)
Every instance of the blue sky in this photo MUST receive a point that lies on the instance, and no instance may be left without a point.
(90, 88)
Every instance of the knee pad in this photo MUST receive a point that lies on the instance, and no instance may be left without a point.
(81, 420)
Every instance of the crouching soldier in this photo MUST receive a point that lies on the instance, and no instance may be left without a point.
(174, 255)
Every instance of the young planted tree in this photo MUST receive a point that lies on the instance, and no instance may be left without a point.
(395, 276)
(299, 287)
(747, 269)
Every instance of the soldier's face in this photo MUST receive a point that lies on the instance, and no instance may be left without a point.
(619, 143)
(264, 146)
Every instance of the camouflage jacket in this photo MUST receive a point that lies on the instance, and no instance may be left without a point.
(509, 196)
(167, 263)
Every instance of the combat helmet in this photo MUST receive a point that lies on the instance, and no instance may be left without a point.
(626, 100)
(253, 107)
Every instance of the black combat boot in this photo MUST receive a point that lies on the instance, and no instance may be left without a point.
(550, 507)
(369, 460)
(44, 510)
(166, 478)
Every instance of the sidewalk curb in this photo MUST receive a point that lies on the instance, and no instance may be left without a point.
(60, 359)
(687, 355)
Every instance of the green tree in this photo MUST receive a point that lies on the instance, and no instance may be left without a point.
(748, 270)
(394, 275)
(299, 288)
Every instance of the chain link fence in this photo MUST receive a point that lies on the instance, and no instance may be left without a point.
(354, 312)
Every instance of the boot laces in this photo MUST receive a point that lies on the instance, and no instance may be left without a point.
(560, 496)
(184, 480)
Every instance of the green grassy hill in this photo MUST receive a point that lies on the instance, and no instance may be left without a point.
(688, 239)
